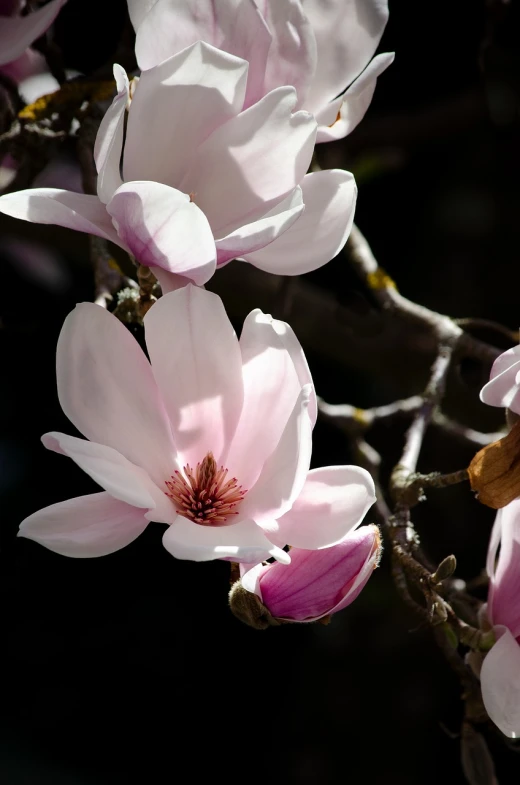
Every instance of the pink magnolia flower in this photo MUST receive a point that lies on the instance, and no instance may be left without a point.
(503, 388)
(18, 32)
(324, 48)
(204, 182)
(500, 673)
(316, 583)
(212, 436)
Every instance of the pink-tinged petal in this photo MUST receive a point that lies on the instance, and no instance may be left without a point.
(293, 53)
(163, 228)
(361, 580)
(503, 389)
(87, 526)
(107, 390)
(283, 474)
(271, 388)
(341, 116)
(262, 232)
(170, 282)
(333, 501)
(196, 361)
(500, 682)
(29, 72)
(241, 542)
(138, 9)
(109, 140)
(19, 32)
(322, 230)
(234, 26)
(504, 596)
(81, 212)
(120, 478)
(189, 96)
(254, 161)
(347, 35)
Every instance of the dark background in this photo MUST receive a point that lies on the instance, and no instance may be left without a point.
(130, 668)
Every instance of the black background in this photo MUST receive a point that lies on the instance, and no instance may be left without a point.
(130, 668)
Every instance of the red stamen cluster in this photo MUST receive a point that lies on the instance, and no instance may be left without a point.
(203, 495)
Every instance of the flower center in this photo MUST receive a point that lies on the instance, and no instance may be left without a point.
(204, 494)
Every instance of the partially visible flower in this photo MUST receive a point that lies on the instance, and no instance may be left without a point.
(324, 48)
(503, 388)
(213, 437)
(18, 32)
(203, 181)
(314, 585)
(500, 672)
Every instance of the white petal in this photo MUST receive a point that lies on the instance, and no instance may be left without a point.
(333, 501)
(109, 140)
(19, 32)
(500, 681)
(242, 542)
(107, 390)
(502, 389)
(322, 230)
(163, 228)
(197, 364)
(138, 9)
(87, 526)
(189, 96)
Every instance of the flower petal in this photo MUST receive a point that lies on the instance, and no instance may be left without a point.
(94, 525)
(262, 232)
(322, 230)
(252, 162)
(234, 26)
(188, 96)
(120, 478)
(18, 32)
(340, 117)
(500, 682)
(109, 140)
(504, 595)
(107, 390)
(502, 389)
(163, 228)
(81, 212)
(138, 9)
(197, 364)
(347, 35)
(242, 542)
(333, 501)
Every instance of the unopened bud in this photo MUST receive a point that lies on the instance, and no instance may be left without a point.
(445, 569)
(247, 607)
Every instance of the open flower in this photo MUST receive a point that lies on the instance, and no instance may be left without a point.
(314, 585)
(503, 388)
(18, 32)
(212, 436)
(500, 673)
(203, 181)
(324, 48)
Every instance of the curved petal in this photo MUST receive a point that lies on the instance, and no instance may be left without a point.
(162, 227)
(120, 478)
(347, 35)
(283, 474)
(109, 139)
(258, 234)
(242, 542)
(188, 96)
(500, 682)
(333, 501)
(107, 390)
(341, 116)
(252, 162)
(365, 572)
(87, 526)
(81, 212)
(322, 230)
(196, 362)
(502, 389)
(271, 388)
(504, 596)
(18, 32)
(234, 26)
(138, 9)
(170, 282)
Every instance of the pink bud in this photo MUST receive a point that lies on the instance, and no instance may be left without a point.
(317, 583)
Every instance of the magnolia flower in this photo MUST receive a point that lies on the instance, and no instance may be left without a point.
(18, 32)
(500, 673)
(503, 388)
(315, 584)
(212, 436)
(204, 182)
(324, 48)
